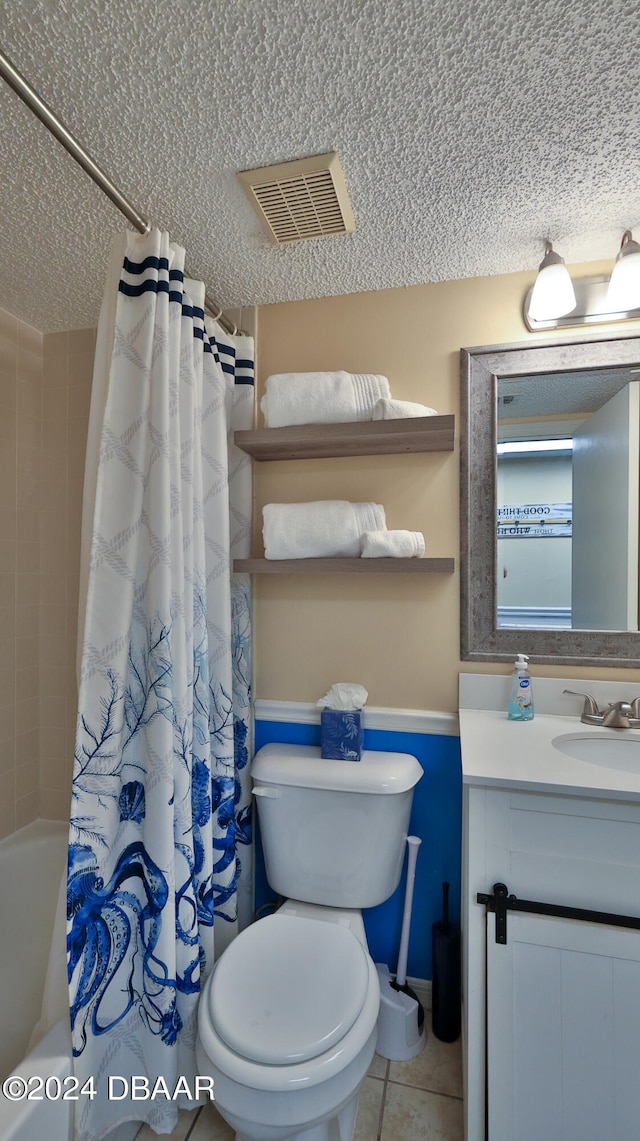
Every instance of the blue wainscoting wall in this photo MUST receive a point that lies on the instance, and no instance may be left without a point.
(436, 818)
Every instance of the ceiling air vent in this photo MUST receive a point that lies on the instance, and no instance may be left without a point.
(306, 198)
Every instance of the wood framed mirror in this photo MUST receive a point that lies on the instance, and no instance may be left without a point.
(549, 527)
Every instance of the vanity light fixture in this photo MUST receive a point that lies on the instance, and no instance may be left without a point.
(623, 293)
(553, 294)
(596, 300)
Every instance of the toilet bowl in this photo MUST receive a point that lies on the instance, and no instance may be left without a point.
(287, 1021)
(287, 1025)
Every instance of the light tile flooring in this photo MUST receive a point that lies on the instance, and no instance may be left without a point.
(399, 1101)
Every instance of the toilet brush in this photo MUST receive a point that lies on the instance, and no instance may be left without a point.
(413, 843)
(401, 1029)
(446, 1012)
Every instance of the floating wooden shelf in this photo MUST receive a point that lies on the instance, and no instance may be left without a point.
(350, 566)
(363, 438)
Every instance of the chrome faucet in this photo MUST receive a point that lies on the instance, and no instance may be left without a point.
(616, 715)
(621, 715)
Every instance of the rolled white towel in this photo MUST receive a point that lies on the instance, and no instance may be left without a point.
(387, 409)
(392, 544)
(326, 528)
(320, 397)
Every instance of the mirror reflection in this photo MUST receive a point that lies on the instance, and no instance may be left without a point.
(567, 497)
(564, 598)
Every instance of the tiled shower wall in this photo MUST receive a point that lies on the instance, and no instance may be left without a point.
(45, 385)
(66, 393)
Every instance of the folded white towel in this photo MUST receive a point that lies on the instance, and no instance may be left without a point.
(386, 409)
(326, 528)
(392, 544)
(320, 397)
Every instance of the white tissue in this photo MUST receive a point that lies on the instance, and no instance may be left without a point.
(344, 695)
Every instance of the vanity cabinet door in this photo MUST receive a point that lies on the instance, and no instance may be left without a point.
(563, 1031)
(571, 851)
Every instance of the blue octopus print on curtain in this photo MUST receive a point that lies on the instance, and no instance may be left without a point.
(161, 804)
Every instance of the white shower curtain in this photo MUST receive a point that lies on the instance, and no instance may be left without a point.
(160, 809)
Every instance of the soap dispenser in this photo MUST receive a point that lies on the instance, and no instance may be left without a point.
(520, 694)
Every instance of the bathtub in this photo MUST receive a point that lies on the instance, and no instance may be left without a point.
(32, 863)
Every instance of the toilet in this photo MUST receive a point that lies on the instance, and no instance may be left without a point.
(287, 1018)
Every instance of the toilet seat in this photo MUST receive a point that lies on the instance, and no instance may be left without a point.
(288, 989)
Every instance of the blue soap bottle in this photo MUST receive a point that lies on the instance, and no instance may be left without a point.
(520, 693)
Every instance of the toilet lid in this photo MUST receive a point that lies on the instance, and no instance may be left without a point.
(288, 988)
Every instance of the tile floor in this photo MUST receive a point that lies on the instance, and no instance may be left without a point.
(399, 1101)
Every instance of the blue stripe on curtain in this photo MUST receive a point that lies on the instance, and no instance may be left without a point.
(159, 264)
(148, 263)
(149, 286)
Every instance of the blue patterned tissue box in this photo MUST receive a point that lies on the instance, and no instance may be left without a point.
(341, 734)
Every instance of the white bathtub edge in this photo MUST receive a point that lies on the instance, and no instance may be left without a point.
(50, 1058)
(24, 1120)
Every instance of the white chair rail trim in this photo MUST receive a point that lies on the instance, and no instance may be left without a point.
(375, 717)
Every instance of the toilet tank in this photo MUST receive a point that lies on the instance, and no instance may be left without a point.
(333, 832)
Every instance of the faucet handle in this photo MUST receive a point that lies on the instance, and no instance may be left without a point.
(590, 704)
(618, 715)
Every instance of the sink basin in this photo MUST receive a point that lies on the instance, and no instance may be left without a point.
(615, 749)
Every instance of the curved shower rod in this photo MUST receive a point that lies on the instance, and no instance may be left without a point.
(35, 103)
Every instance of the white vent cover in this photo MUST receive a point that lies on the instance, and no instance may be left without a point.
(306, 198)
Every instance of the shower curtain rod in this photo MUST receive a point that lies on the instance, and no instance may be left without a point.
(30, 96)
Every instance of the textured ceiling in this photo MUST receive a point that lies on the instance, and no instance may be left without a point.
(468, 130)
(561, 393)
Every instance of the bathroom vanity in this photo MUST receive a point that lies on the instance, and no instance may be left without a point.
(551, 1000)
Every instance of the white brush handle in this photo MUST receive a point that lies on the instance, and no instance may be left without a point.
(413, 843)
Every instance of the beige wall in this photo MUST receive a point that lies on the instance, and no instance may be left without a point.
(20, 437)
(45, 385)
(397, 635)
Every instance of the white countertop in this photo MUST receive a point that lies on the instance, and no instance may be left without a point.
(498, 753)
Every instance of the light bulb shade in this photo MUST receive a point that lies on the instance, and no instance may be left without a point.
(552, 294)
(623, 293)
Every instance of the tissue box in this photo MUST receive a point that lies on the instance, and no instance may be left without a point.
(341, 734)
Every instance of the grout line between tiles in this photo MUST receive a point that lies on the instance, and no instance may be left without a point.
(193, 1124)
(427, 1089)
(382, 1103)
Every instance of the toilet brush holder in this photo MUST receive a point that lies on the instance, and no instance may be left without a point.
(401, 1028)
(402, 1033)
